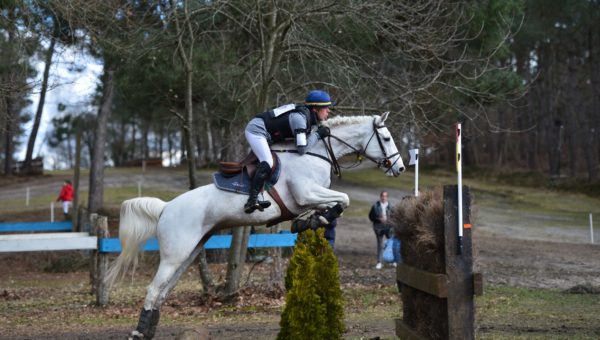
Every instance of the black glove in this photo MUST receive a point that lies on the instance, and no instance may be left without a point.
(323, 131)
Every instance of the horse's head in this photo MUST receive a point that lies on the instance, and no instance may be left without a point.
(380, 147)
(367, 136)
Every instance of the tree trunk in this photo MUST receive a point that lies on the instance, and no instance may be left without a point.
(170, 146)
(40, 107)
(133, 143)
(161, 137)
(237, 258)
(210, 152)
(69, 149)
(592, 141)
(145, 146)
(590, 155)
(276, 278)
(96, 189)
(188, 129)
(76, 177)
(555, 147)
(8, 140)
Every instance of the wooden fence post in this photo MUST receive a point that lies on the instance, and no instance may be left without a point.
(459, 268)
(101, 227)
(94, 256)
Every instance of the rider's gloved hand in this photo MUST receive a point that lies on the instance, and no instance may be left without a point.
(323, 131)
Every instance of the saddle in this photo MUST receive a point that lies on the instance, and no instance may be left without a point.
(237, 176)
(249, 164)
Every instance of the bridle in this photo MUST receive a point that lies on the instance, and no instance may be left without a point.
(382, 162)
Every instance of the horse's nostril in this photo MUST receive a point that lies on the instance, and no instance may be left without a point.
(402, 169)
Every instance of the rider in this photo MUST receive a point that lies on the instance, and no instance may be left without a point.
(292, 121)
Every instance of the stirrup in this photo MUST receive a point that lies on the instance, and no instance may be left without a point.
(260, 205)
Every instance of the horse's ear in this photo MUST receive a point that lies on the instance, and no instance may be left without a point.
(384, 116)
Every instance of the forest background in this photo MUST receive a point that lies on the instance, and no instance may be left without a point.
(180, 78)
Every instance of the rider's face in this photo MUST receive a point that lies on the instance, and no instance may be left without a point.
(322, 113)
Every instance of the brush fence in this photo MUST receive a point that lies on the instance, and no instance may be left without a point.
(438, 302)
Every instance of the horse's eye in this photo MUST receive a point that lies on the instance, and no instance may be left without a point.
(387, 139)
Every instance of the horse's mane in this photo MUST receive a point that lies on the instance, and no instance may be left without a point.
(347, 120)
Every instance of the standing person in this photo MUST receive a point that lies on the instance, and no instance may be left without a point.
(287, 122)
(330, 232)
(66, 196)
(379, 215)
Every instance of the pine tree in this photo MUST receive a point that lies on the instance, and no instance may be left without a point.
(314, 304)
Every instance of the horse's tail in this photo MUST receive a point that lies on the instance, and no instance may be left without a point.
(138, 222)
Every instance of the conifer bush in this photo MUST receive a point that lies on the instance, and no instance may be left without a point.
(314, 305)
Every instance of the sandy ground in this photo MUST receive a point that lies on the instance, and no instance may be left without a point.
(507, 253)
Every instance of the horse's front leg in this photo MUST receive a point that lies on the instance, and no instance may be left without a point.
(332, 203)
(313, 196)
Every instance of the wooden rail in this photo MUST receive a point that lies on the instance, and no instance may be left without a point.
(46, 242)
(103, 246)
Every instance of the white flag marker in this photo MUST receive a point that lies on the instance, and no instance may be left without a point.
(414, 159)
(459, 171)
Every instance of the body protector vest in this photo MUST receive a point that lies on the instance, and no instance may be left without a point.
(277, 121)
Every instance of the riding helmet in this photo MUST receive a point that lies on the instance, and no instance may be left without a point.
(318, 98)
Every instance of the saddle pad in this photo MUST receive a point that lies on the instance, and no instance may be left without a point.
(241, 183)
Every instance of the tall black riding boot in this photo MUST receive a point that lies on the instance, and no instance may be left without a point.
(263, 170)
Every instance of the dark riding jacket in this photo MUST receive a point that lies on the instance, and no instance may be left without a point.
(279, 128)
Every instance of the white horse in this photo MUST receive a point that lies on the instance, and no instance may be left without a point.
(185, 223)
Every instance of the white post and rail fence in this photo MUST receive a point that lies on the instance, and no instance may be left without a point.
(57, 236)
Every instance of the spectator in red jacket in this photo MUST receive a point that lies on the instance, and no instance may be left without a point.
(66, 196)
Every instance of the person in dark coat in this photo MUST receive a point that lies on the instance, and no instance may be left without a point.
(379, 215)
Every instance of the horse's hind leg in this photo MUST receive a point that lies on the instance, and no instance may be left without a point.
(169, 272)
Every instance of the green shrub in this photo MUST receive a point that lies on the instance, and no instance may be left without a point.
(314, 306)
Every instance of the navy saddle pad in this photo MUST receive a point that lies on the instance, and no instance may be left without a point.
(240, 183)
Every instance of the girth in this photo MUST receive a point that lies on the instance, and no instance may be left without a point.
(249, 163)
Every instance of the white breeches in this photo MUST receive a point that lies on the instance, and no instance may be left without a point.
(66, 205)
(260, 146)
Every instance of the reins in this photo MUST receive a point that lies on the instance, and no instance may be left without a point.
(384, 162)
(308, 153)
(332, 160)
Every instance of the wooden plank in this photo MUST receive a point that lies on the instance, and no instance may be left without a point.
(35, 226)
(47, 244)
(112, 245)
(404, 332)
(271, 240)
(63, 236)
(434, 284)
